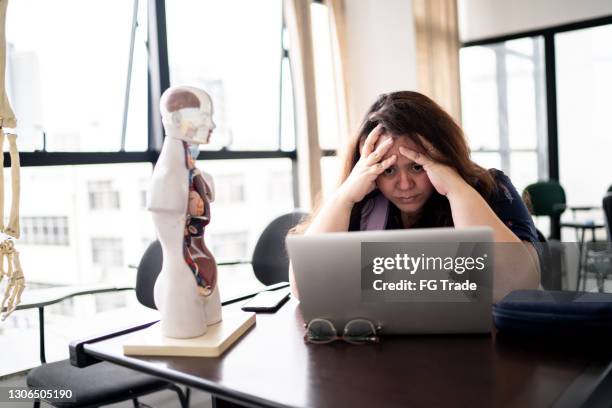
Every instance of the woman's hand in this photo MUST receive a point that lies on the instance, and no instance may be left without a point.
(445, 179)
(362, 179)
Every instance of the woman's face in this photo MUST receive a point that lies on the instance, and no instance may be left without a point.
(406, 183)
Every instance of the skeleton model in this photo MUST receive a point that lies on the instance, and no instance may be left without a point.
(186, 291)
(13, 275)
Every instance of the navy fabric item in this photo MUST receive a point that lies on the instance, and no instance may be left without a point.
(510, 208)
(554, 312)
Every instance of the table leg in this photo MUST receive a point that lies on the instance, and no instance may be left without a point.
(221, 403)
(580, 251)
(41, 334)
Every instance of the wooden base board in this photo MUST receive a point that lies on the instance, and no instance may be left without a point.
(218, 338)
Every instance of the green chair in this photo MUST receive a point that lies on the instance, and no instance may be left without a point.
(547, 198)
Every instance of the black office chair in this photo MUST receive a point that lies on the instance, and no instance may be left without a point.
(148, 270)
(607, 207)
(270, 260)
(106, 383)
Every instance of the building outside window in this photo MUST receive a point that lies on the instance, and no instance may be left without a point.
(107, 252)
(103, 196)
(44, 231)
(229, 189)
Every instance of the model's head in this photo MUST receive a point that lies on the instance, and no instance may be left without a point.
(187, 114)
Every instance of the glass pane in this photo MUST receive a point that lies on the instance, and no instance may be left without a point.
(526, 92)
(93, 223)
(232, 49)
(327, 104)
(67, 74)
(248, 195)
(584, 86)
(487, 160)
(504, 99)
(138, 108)
(524, 169)
(288, 109)
(479, 97)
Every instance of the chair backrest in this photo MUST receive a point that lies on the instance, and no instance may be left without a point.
(270, 260)
(546, 198)
(148, 270)
(607, 207)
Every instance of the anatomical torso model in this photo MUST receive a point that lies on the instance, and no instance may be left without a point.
(186, 291)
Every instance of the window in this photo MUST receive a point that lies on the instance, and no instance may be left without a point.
(584, 86)
(69, 91)
(554, 113)
(257, 208)
(143, 192)
(107, 252)
(44, 231)
(236, 57)
(102, 195)
(229, 189)
(58, 223)
(230, 246)
(278, 185)
(504, 107)
(82, 104)
(242, 61)
(87, 160)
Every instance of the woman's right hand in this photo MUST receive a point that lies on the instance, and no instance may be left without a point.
(362, 179)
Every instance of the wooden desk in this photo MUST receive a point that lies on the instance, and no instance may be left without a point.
(271, 366)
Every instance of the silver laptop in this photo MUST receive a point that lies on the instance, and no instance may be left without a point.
(327, 269)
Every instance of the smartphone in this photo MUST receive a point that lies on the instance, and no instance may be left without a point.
(267, 302)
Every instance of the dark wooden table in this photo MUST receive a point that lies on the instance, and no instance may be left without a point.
(271, 366)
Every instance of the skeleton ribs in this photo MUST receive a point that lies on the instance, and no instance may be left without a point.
(13, 274)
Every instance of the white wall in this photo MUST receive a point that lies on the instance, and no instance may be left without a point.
(490, 18)
(381, 52)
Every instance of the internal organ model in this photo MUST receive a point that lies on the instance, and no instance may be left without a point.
(198, 257)
(186, 291)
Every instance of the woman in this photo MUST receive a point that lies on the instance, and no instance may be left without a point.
(410, 167)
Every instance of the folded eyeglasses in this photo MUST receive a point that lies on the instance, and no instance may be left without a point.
(356, 331)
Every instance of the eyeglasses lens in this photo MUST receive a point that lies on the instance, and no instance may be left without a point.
(320, 331)
(360, 331)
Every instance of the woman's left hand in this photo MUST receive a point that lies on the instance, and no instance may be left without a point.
(445, 179)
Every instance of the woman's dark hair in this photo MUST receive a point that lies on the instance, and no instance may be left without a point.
(407, 113)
